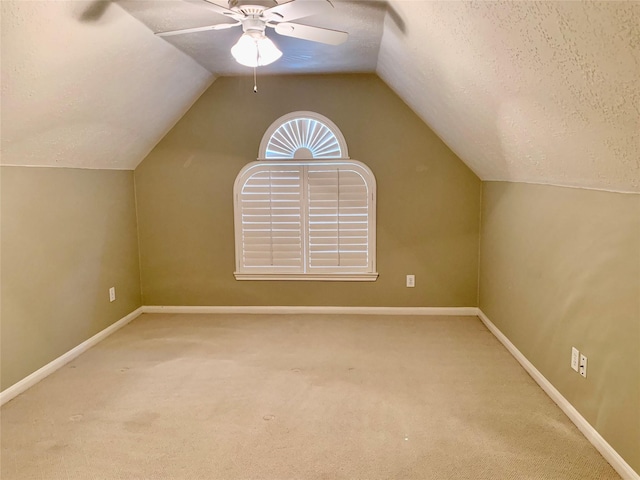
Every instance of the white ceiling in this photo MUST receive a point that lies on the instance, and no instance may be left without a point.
(87, 86)
(540, 92)
(362, 19)
(543, 92)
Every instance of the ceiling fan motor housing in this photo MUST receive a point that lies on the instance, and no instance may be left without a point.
(254, 26)
(252, 7)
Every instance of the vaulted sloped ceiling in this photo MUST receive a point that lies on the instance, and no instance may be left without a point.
(363, 19)
(542, 92)
(86, 85)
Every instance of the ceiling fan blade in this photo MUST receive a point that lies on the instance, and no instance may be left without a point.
(297, 9)
(219, 26)
(314, 34)
(211, 5)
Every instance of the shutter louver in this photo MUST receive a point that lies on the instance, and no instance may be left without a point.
(271, 220)
(306, 133)
(338, 230)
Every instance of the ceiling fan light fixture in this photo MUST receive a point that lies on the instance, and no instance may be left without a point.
(254, 49)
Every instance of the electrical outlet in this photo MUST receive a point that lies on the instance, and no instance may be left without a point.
(112, 294)
(411, 281)
(575, 358)
(583, 365)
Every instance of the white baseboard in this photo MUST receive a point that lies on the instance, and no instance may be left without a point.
(606, 450)
(27, 382)
(299, 310)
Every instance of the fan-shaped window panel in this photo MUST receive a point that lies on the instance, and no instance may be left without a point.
(303, 135)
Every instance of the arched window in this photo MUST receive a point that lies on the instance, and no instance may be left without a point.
(304, 210)
(303, 135)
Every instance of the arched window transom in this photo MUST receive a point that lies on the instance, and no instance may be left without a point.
(303, 135)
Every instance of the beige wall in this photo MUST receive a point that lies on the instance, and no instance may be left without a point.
(428, 200)
(560, 267)
(67, 236)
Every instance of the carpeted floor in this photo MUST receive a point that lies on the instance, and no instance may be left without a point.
(293, 397)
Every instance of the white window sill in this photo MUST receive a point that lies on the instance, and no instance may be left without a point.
(323, 277)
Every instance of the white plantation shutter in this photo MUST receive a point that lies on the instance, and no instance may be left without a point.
(308, 133)
(338, 218)
(305, 220)
(301, 219)
(271, 213)
(303, 135)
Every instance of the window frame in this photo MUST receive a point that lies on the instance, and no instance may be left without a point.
(308, 273)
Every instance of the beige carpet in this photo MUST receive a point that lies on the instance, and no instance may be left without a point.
(293, 397)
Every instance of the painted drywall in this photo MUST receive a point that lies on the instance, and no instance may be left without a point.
(560, 267)
(67, 236)
(528, 91)
(524, 91)
(86, 85)
(363, 21)
(428, 200)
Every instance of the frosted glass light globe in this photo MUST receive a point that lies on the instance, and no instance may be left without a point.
(255, 50)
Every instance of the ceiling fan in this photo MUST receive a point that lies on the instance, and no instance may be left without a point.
(254, 48)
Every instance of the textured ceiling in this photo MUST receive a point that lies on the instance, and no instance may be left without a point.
(86, 85)
(362, 19)
(542, 92)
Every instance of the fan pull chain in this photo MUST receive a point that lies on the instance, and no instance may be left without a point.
(255, 81)
(255, 77)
